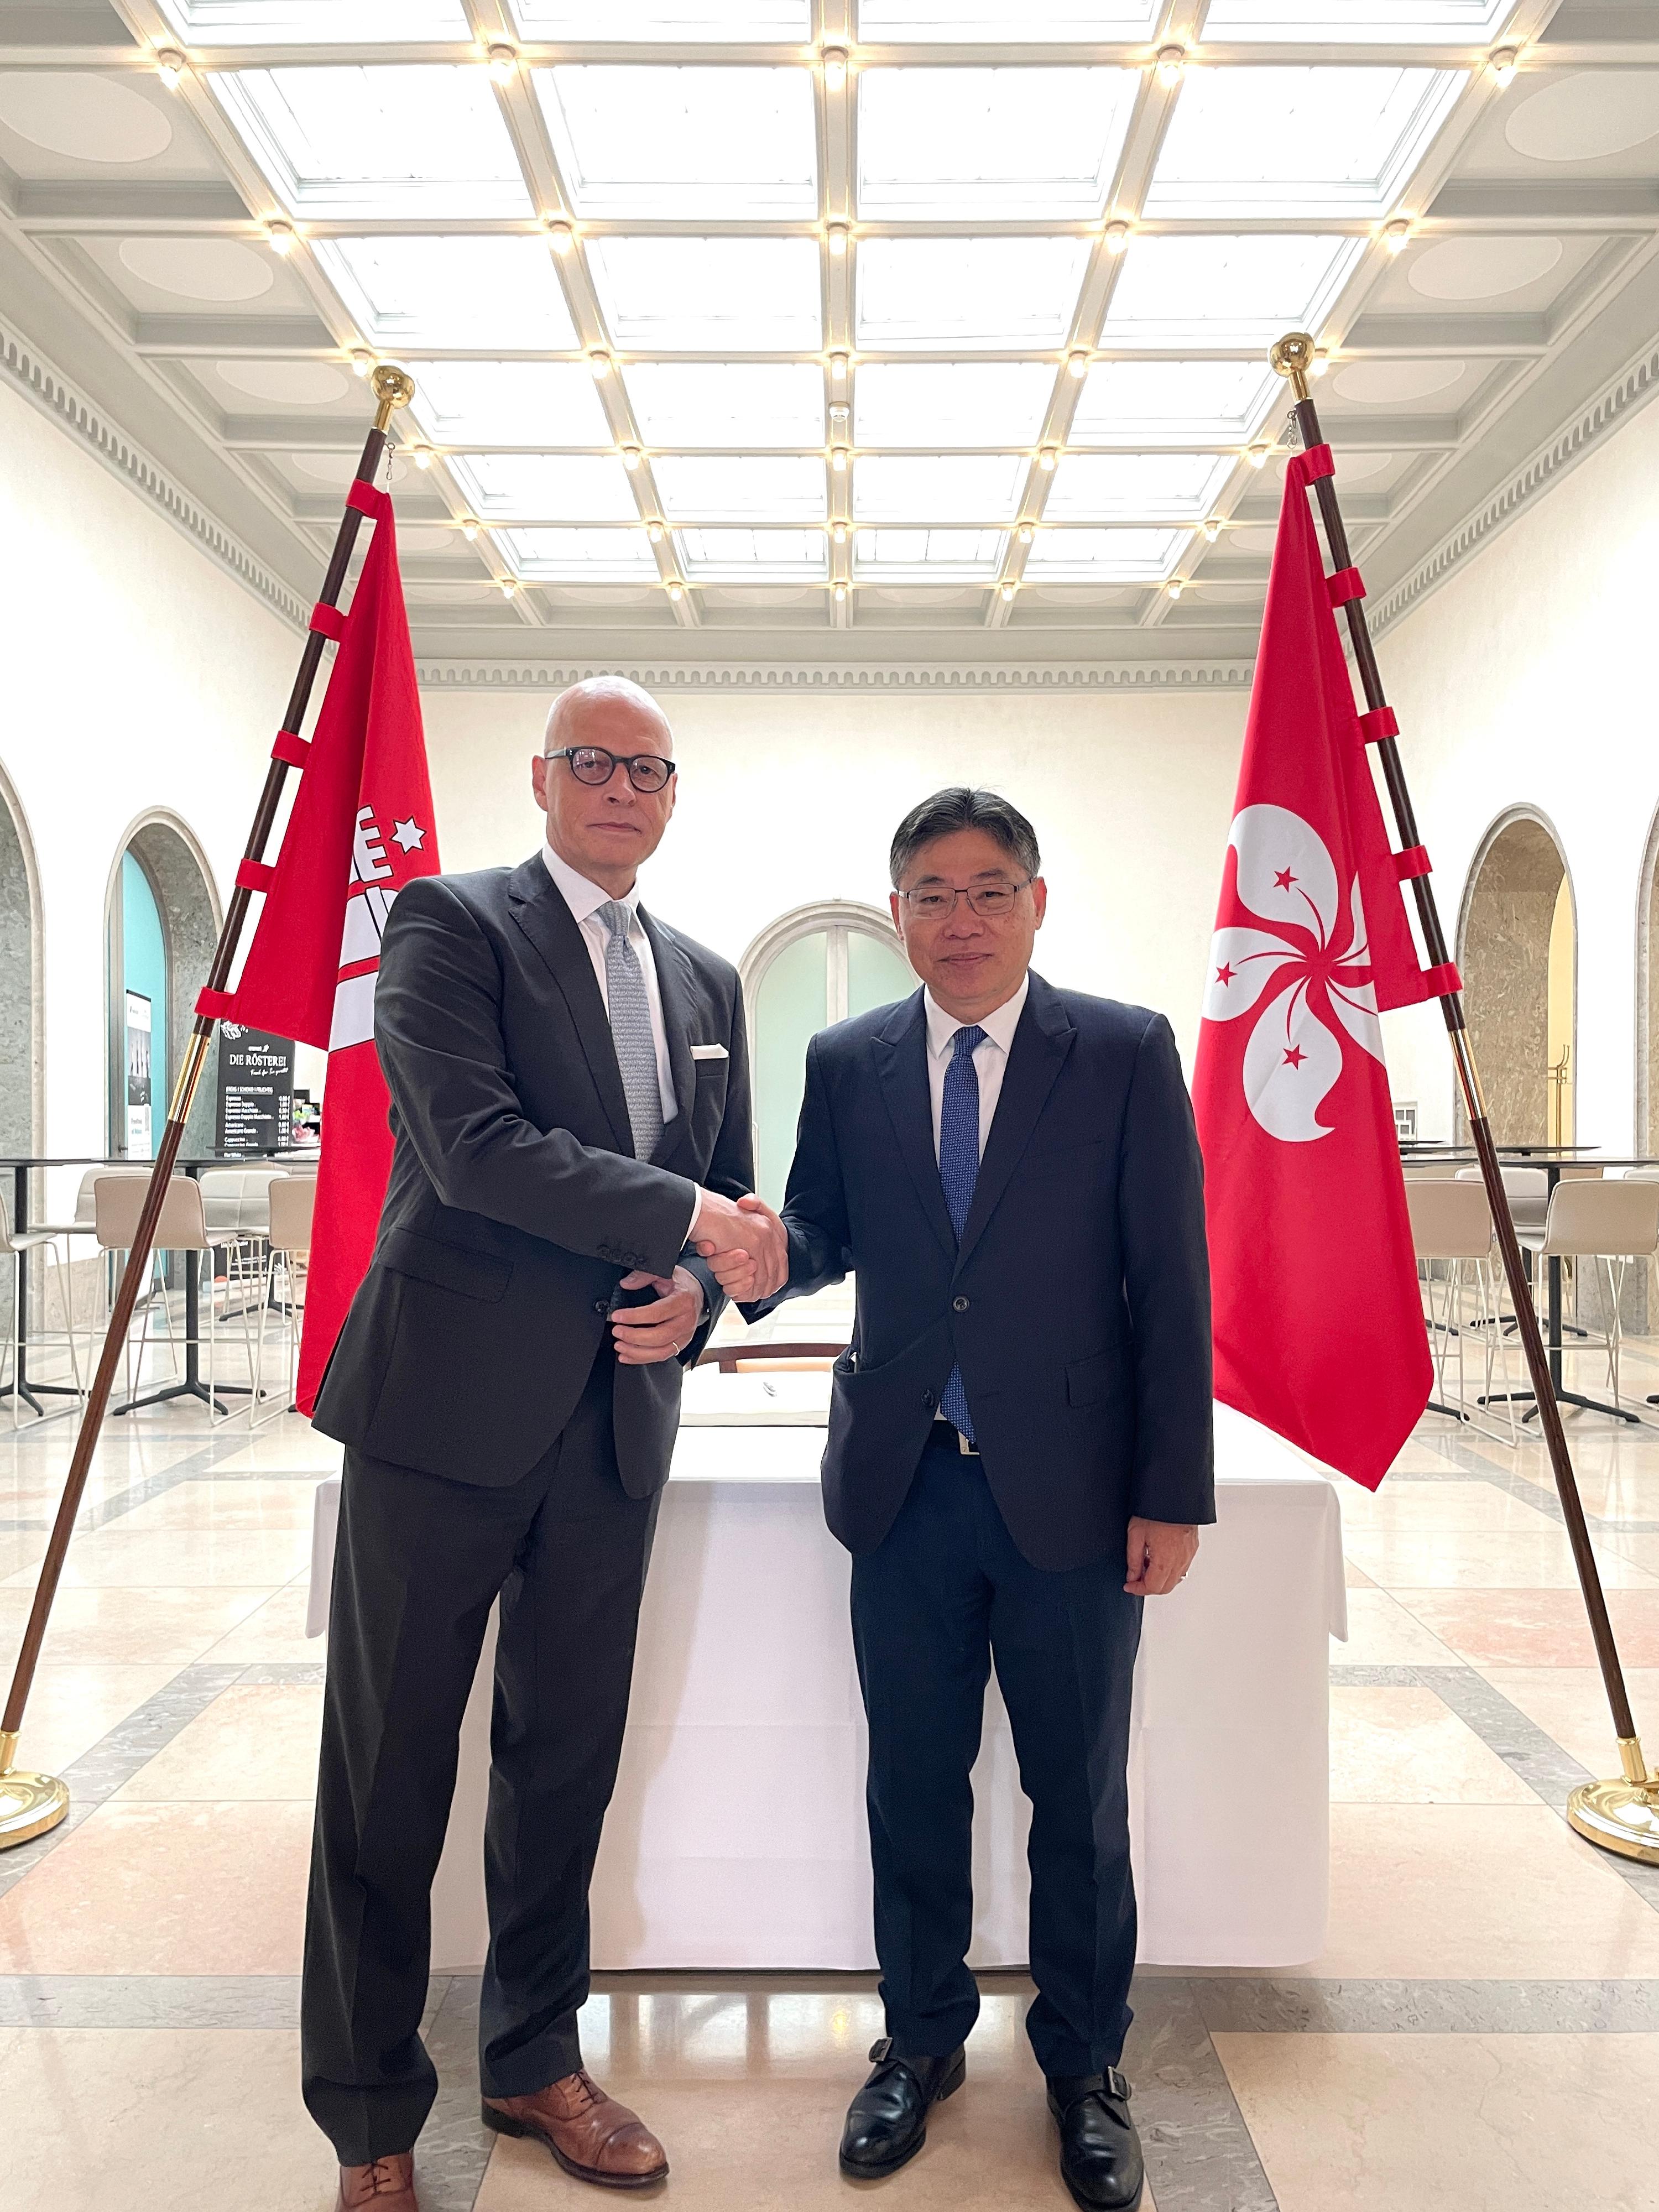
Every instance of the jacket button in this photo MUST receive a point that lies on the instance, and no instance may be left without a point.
(601, 1306)
(959, 1305)
(927, 1400)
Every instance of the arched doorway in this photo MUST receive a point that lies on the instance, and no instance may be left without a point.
(162, 925)
(816, 965)
(20, 1068)
(1517, 951)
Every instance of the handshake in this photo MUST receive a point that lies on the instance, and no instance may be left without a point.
(745, 1244)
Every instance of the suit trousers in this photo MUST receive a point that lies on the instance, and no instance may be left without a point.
(418, 1563)
(945, 1592)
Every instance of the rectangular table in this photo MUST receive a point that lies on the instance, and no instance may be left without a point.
(737, 1836)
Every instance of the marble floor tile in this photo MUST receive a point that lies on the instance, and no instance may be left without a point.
(247, 1502)
(1450, 2123)
(192, 2120)
(173, 1888)
(275, 1630)
(1419, 1456)
(1475, 1892)
(129, 1627)
(116, 1557)
(1405, 1747)
(1571, 1705)
(1382, 1633)
(251, 1742)
(1533, 1627)
(1539, 1558)
(1407, 1506)
(288, 1446)
(70, 1707)
(21, 1551)
(1356, 1577)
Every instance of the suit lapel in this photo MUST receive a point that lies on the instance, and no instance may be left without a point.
(901, 1057)
(540, 909)
(1042, 1041)
(674, 981)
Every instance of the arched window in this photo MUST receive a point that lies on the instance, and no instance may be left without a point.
(815, 966)
(163, 921)
(1517, 952)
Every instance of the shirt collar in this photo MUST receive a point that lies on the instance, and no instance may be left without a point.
(583, 898)
(999, 1027)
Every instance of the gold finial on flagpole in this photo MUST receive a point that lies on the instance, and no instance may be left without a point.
(392, 388)
(1293, 356)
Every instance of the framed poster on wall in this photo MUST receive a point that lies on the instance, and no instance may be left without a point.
(140, 1143)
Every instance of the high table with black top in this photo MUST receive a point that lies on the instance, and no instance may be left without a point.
(192, 1385)
(1552, 1159)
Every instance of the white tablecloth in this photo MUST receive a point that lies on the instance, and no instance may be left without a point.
(737, 1837)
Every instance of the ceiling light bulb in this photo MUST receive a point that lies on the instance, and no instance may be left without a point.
(1117, 237)
(839, 411)
(838, 460)
(1171, 64)
(563, 238)
(422, 456)
(1047, 459)
(169, 66)
(631, 458)
(840, 593)
(1078, 363)
(1212, 528)
(1007, 591)
(838, 531)
(280, 235)
(837, 237)
(504, 61)
(508, 587)
(834, 68)
(1258, 456)
(1025, 533)
(1175, 587)
(470, 529)
(677, 592)
(1319, 363)
(1502, 61)
(1398, 234)
(599, 363)
(838, 369)
(653, 532)
(361, 362)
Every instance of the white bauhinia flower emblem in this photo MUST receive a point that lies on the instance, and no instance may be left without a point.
(1294, 1055)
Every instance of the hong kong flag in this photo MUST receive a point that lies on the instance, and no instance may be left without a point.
(1318, 1326)
(360, 827)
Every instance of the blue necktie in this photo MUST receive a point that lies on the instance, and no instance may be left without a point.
(959, 1170)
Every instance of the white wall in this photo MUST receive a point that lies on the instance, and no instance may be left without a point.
(138, 676)
(790, 797)
(1529, 678)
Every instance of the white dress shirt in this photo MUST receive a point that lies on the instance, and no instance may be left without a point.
(990, 1054)
(584, 900)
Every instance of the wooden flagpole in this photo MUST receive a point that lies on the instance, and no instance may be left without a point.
(32, 1803)
(1622, 1815)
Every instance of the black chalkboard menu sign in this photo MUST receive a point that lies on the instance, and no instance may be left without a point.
(256, 1091)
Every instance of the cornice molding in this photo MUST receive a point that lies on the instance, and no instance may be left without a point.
(63, 403)
(1628, 392)
(830, 675)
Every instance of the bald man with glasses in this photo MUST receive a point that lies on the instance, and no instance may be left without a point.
(570, 1102)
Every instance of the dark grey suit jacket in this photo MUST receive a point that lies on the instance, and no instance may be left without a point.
(1077, 1302)
(516, 1205)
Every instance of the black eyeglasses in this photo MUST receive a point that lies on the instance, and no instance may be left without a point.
(592, 764)
(932, 902)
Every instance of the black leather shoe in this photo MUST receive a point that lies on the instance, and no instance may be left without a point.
(887, 2121)
(1099, 2150)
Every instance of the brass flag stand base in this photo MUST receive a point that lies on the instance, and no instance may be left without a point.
(1620, 1816)
(31, 1804)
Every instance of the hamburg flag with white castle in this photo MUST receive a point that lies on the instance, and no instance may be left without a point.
(1318, 1325)
(360, 827)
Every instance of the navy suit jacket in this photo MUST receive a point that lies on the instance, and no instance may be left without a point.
(1077, 1303)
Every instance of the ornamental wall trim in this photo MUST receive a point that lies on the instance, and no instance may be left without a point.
(46, 388)
(797, 675)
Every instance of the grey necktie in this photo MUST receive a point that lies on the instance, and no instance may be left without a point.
(630, 1030)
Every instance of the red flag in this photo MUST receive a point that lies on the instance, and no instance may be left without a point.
(1318, 1324)
(361, 827)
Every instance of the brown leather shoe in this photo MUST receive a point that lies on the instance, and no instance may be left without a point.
(387, 2185)
(591, 2135)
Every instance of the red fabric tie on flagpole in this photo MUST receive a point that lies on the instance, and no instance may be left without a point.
(1318, 1324)
(362, 828)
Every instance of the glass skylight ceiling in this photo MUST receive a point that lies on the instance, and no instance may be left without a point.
(951, 144)
(685, 308)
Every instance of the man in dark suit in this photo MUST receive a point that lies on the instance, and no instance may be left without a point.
(570, 1092)
(1019, 1450)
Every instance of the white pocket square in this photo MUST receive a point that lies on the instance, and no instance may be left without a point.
(709, 1052)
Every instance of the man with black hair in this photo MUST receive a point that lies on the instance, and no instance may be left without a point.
(1019, 1449)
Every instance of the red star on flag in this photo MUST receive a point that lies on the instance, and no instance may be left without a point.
(1225, 974)
(1283, 879)
(1295, 1056)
